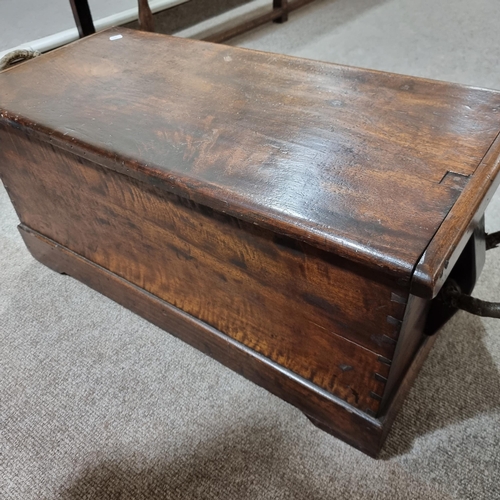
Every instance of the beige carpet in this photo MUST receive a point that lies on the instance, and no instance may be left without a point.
(96, 403)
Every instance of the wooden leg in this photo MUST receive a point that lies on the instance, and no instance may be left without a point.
(276, 15)
(83, 17)
(146, 22)
(281, 4)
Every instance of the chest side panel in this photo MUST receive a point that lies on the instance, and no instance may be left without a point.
(313, 313)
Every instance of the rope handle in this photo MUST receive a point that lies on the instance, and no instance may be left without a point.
(17, 56)
(453, 297)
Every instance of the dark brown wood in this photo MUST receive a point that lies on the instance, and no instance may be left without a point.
(465, 274)
(288, 301)
(282, 5)
(244, 27)
(351, 425)
(83, 17)
(275, 15)
(146, 21)
(308, 153)
(449, 242)
(302, 213)
(410, 339)
(390, 410)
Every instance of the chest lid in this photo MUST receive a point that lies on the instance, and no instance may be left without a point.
(369, 165)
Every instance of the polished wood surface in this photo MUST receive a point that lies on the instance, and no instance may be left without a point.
(460, 223)
(297, 305)
(352, 161)
(353, 426)
(325, 410)
(292, 219)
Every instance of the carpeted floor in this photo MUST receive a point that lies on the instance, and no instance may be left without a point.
(96, 403)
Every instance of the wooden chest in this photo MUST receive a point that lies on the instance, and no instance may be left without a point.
(290, 218)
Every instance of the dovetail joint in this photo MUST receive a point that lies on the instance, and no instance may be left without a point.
(380, 378)
(398, 299)
(394, 321)
(386, 361)
(389, 340)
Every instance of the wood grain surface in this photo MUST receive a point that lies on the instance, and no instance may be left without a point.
(291, 218)
(360, 163)
(333, 414)
(312, 312)
(452, 236)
